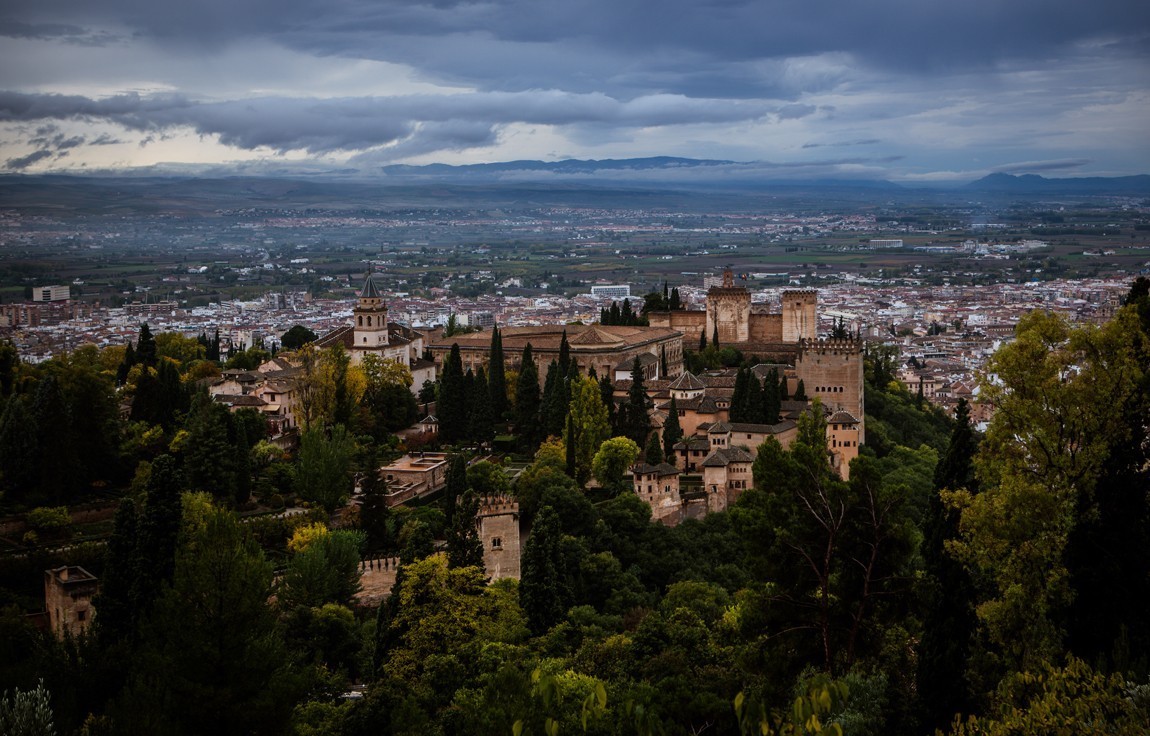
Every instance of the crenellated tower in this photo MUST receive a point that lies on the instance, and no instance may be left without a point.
(499, 531)
(832, 370)
(800, 314)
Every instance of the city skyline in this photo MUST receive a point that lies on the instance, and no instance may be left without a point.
(911, 93)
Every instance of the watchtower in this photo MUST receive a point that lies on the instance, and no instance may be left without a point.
(800, 317)
(729, 310)
(499, 531)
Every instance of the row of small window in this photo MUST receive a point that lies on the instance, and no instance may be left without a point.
(829, 389)
(844, 443)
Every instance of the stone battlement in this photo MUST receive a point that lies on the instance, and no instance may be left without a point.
(832, 345)
(497, 505)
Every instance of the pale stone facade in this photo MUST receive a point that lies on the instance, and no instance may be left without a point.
(499, 532)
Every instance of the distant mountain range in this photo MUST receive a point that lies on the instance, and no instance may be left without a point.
(684, 171)
(1033, 184)
(662, 181)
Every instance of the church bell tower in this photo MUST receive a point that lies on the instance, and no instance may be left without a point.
(370, 316)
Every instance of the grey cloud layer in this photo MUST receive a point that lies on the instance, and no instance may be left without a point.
(325, 125)
(621, 47)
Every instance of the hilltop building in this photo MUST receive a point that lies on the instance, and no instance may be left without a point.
(370, 333)
(607, 349)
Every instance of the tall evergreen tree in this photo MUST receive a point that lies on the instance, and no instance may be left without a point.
(146, 347)
(481, 427)
(9, 363)
(543, 590)
(455, 485)
(497, 377)
(715, 337)
(159, 529)
(784, 390)
(119, 610)
(209, 457)
(55, 455)
(126, 364)
(672, 431)
(636, 412)
(664, 368)
(527, 401)
(738, 411)
(607, 394)
(374, 513)
(553, 410)
(702, 340)
(18, 450)
(800, 391)
(564, 354)
(570, 446)
(770, 398)
(464, 548)
(451, 407)
(676, 303)
(754, 406)
(213, 662)
(949, 619)
(653, 453)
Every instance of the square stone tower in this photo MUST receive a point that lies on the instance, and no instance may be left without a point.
(68, 593)
(499, 532)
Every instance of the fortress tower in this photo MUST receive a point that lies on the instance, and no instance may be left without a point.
(832, 370)
(800, 318)
(370, 315)
(499, 531)
(729, 309)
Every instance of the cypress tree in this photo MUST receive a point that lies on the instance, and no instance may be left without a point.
(553, 409)
(672, 431)
(497, 377)
(784, 394)
(464, 548)
(653, 453)
(715, 337)
(607, 393)
(543, 591)
(451, 406)
(209, 457)
(628, 314)
(569, 450)
(800, 391)
(527, 401)
(564, 354)
(159, 529)
(754, 406)
(116, 601)
(738, 410)
(55, 453)
(636, 420)
(770, 398)
(949, 620)
(18, 450)
(455, 486)
(146, 346)
(482, 424)
(702, 340)
(664, 369)
(676, 302)
(126, 364)
(374, 513)
(9, 363)
(615, 316)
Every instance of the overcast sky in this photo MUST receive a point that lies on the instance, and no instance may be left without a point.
(907, 90)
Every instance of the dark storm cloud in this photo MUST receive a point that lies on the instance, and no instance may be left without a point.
(862, 142)
(349, 124)
(24, 162)
(633, 47)
(1026, 167)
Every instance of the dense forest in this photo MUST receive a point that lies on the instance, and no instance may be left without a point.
(959, 582)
